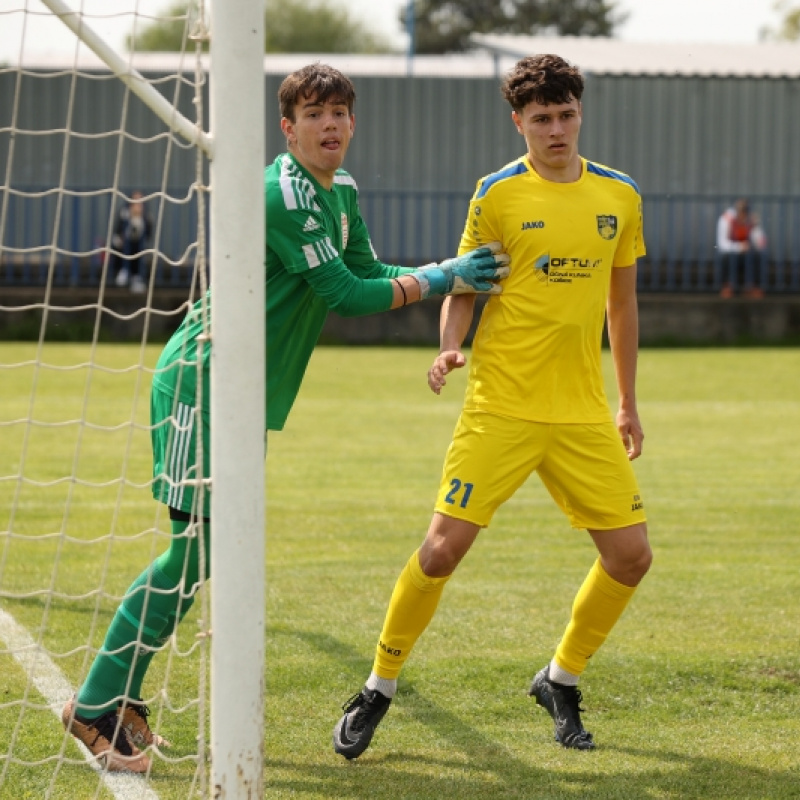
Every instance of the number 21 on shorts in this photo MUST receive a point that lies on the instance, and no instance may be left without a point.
(459, 493)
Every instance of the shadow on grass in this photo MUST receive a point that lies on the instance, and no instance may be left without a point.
(680, 778)
(466, 765)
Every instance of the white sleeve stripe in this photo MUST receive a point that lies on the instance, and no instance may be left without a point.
(306, 193)
(329, 251)
(320, 252)
(311, 256)
(345, 180)
(288, 193)
(297, 191)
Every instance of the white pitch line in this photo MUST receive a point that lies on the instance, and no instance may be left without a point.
(51, 683)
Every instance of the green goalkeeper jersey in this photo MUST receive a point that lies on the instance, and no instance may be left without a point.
(318, 258)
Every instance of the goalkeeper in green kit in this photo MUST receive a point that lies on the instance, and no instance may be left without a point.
(319, 258)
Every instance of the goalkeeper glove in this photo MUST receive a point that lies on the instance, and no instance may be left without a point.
(472, 273)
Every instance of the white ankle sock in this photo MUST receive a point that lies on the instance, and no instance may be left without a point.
(558, 675)
(386, 686)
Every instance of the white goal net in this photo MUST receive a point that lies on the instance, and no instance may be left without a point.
(107, 224)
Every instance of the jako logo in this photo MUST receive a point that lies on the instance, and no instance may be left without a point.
(535, 224)
(392, 651)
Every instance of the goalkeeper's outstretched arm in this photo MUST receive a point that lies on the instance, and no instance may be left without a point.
(476, 272)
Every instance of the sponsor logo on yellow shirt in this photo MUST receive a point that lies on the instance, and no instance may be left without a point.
(564, 269)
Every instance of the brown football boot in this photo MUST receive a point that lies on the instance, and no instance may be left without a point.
(134, 721)
(106, 739)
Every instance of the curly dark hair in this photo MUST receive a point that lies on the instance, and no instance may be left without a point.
(547, 79)
(315, 80)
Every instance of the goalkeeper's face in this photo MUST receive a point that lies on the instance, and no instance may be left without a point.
(319, 135)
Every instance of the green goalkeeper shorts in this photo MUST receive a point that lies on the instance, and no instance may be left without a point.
(179, 479)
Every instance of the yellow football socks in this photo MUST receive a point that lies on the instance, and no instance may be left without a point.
(413, 604)
(598, 605)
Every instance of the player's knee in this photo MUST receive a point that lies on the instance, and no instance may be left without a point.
(447, 542)
(625, 553)
(642, 561)
(636, 561)
(438, 558)
(440, 555)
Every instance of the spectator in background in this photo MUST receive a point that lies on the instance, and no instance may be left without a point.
(132, 231)
(741, 244)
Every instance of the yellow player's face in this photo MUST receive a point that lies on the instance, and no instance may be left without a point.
(551, 133)
(319, 136)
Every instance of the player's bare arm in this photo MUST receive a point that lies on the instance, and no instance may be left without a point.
(623, 336)
(454, 323)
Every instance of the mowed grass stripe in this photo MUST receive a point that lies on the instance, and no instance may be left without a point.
(696, 694)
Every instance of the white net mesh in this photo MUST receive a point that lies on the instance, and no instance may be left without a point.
(87, 296)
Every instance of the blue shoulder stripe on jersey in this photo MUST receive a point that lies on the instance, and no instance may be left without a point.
(609, 173)
(515, 169)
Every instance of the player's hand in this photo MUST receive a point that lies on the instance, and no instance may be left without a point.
(630, 429)
(443, 364)
(476, 272)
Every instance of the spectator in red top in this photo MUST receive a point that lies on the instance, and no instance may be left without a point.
(741, 244)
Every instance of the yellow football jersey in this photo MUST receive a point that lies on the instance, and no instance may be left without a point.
(536, 353)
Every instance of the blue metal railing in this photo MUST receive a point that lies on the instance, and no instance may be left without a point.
(680, 231)
(67, 236)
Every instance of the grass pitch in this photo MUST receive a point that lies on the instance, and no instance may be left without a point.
(696, 694)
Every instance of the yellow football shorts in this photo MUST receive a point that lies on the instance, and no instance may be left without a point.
(584, 467)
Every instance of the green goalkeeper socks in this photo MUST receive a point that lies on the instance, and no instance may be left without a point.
(143, 622)
(139, 622)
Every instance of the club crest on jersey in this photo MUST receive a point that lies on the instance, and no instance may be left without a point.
(607, 226)
(345, 230)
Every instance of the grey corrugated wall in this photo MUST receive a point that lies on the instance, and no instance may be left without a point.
(691, 143)
(704, 136)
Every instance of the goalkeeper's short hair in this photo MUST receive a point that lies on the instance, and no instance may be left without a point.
(320, 81)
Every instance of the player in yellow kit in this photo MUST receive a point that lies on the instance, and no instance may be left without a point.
(535, 400)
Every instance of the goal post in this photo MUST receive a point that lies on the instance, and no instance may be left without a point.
(237, 399)
(66, 525)
(129, 76)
